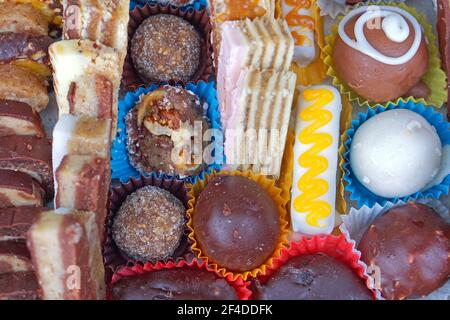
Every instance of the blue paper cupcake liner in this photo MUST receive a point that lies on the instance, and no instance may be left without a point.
(361, 194)
(121, 167)
(197, 5)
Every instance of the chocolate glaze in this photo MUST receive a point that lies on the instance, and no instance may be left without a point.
(174, 284)
(20, 182)
(236, 223)
(411, 246)
(312, 277)
(374, 80)
(15, 222)
(12, 253)
(31, 155)
(16, 46)
(19, 286)
(22, 111)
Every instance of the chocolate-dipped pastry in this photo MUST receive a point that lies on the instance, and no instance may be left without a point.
(21, 84)
(15, 222)
(443, 29)
(161, 126)
(18, 17)
(166, 48)
(16, 46)
(19, 286)
(83, 184)
(14, 257)
(18, 118)
(395, 63)
(29, 155)
(149, 224)
(410, 245)
(66, 253)
(19, 189)
(236, 223)
(312, 277)
(174, 284)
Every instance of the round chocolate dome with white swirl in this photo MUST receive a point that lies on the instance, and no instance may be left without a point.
(381, 53)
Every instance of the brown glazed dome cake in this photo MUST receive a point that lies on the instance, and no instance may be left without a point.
(312, 277)
(174, 284)
(156, 128)
(410, 244)
(236, 223)
(149, 225)
(166, 48)
(375, 80)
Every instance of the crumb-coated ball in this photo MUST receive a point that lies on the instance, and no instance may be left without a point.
(149, 224)
(409, 246)
(166, 47)
(236, 223)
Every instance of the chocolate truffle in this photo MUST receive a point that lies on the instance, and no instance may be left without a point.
(161, 132)
(374, 79)
(166, 48)
(174, 284)
(410, 244)
(149, 224)
(312, 277)
(396, 153)
(236, 223)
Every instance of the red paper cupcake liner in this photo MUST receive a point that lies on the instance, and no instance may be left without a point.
(334, 246)
(239, 285)
(112, 255)
(198, 18)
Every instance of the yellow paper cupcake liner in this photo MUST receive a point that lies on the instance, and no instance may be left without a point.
(276, 195)
(434, 78)
(315, 72)
(287, 167)
(346, 120)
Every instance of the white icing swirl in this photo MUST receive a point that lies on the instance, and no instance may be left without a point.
(394, 26)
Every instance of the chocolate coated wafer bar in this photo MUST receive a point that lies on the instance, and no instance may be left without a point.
(18, 118)
(19, 286)
(19, 189)
(14, 257)
(15, 222)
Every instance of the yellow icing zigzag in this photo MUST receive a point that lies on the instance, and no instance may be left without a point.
(311, 187)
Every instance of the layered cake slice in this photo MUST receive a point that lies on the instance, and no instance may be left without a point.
(86, 78)
(19, 189)
(66, 253)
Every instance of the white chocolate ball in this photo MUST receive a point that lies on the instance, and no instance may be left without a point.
(395, 153)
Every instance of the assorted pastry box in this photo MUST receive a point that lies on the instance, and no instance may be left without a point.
(224, 150)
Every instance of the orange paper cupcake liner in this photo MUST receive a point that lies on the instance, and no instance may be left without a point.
(276, 195)
(240, 286)
(334, 246)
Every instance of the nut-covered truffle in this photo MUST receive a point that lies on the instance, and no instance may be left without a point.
(149, 225)
(166, 48)
(161, 132)
(236, 223)
(408, 250)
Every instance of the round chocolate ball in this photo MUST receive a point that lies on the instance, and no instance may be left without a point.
(312, 277)
(149, 224)
(236, 223)
(174, 284)
(166, 48)
(375, 80)
(408, 250)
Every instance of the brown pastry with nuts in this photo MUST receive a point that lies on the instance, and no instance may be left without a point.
(161, 132)
(149, 224)
(21, 84)
(166, 48)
